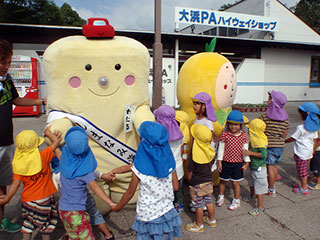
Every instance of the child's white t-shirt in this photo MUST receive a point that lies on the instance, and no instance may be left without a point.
(204, 121)
(208, 123)
(176, 151)
(303, 146)
(155, 196)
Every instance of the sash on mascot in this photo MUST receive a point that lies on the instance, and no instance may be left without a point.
(115, 147)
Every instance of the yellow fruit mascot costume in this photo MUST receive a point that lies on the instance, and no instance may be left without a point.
(211, 73)
(100, 82)
(214, 74)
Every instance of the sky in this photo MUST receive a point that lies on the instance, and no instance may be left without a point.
(139, 14)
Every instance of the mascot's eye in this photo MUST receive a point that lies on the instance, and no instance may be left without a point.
(88, 67)
(117, 66)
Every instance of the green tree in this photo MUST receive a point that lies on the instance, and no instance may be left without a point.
(309, 12)
(70, 17)
(228, 5)
(44, 12)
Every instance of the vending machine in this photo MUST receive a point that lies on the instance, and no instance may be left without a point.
(24, 72)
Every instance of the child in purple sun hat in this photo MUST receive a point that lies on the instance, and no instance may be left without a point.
(206, 106)
(275, 110)
(166, 116)
(277, 125)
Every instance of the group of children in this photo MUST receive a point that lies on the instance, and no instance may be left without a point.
(158, 169)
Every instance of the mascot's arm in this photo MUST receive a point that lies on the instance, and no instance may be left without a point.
(142, 114)
(62, 125)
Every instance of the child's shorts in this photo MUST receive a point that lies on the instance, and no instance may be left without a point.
(302, 166)
(258, 180)
(231, 171)
(315, 164)
(199, 202)
(274, 155)
(40, 214)
(77, 224)
(95, 217)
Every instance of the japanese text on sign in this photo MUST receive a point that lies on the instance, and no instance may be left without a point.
(225, 19)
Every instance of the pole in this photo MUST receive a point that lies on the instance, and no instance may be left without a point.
(157, 58)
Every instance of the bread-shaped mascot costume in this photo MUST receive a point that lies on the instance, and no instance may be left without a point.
(211, 73)
(100, 82)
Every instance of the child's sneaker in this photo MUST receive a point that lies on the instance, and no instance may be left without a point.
(297, 185)
(271, 193)
(9, 227)
(220, 200)
(300, 190)
(256, 211)
(314, 186)
(249, 198)
(278, 178)
(212, 223)
(179, 208)
(234, 204)
(110, 238)
(192, 227)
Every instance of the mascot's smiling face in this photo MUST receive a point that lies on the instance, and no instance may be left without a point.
(85, 76)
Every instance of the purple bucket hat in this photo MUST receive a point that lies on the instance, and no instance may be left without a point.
(166, 116)
(275, 110)
(206, 99)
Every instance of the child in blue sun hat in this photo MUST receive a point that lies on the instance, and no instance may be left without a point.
(154, 169)
(77, 166)
(303, 138)
(231, 162)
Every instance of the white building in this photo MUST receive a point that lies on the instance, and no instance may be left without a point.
(284, 68)
(286, 60)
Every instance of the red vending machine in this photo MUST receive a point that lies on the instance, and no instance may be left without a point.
(24, 72)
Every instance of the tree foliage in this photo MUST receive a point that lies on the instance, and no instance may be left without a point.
(309, 12)
(44, 12)
(228, 5)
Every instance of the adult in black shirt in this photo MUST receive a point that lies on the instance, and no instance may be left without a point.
(8, 96)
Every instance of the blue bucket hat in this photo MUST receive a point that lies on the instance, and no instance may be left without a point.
(77, 158)
(311, 123)
(154, 156)
(235, 116)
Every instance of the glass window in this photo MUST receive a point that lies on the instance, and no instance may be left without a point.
(315, 75)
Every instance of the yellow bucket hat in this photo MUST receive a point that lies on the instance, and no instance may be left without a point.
(202, 152)
(27, 160)
(256, 133)
(183, 118)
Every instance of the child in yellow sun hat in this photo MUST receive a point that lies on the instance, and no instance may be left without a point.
(32, 168)
(200, 177)
(258, 172)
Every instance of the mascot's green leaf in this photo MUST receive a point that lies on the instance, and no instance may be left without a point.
(223, 115)
(212, 46)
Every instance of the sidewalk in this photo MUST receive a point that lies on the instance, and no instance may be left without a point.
(288, 216)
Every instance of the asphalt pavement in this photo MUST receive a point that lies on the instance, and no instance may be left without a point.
(288, 216)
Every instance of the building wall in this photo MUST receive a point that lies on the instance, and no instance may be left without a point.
(291, 28)
(288, 71)
(250, 79)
